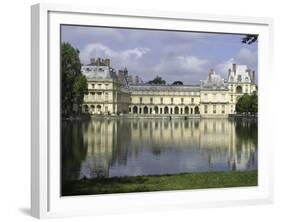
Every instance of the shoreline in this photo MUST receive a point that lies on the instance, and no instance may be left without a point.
(154, 116)
(168, 182)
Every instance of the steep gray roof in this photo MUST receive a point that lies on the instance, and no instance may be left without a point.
(148, 87)
(214, 82)
(98, 72)
(241, 73)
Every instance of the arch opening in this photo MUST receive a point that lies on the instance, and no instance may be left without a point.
(135, 109)
(238, 89)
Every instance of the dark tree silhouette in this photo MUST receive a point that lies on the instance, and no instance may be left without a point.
(73, 83)
(157, 80)
(247, 104)
(249, 39)
(177, 83)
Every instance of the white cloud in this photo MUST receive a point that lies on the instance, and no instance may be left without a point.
(187, 65)
(120, 58)
(244, 57)
(223, 67)
(191, 63)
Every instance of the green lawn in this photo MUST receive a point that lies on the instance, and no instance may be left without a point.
(180, 181)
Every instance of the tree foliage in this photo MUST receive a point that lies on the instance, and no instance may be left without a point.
(247, 104)
(157, 80)
(249, 39)
(177, 83)
(73, 83)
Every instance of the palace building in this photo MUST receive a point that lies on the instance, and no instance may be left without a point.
(111, 93)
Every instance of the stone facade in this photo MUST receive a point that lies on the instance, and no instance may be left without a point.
(108, 93)
(113, 93)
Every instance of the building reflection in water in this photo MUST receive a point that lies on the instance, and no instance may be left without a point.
(131, 147)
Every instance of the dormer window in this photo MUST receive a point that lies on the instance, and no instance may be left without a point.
(239, 78)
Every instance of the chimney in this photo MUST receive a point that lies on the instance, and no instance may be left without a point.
(93, 61)
(125, 72)
(253, 76)
(106, 62)
(137, 80)
(211, 72)
(98, 61)
(229, 72)
(234, 68)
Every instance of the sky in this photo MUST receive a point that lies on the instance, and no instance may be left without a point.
(173, 55)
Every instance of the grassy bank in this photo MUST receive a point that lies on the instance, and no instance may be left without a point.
(160, 183)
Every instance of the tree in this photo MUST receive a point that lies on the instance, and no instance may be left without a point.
(249, 39)
(177, 83)
(157, 80)
(247, 104)
(254, 103)
(73, 83)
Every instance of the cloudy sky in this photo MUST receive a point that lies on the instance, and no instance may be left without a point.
(184, 56)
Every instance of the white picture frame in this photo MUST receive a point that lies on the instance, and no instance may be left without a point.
(45, 162)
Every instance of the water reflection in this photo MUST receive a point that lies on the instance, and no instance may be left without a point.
(109, 148)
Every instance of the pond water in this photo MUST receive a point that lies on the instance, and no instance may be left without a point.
(131, 147)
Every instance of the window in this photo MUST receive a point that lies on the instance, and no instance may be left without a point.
(192, 100)
(214, 109)
(99, 95)
(106, 96)
(239, 78)
(140, 99)
(106, 86)
(92, 95)
(222, 109)
(92, 108)
(172, 100)
(161, 100)
(205, 108)
(238, 89)
(93, 86)
(99, 86)
(86, 108)
(151, 100)
(181, 100)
